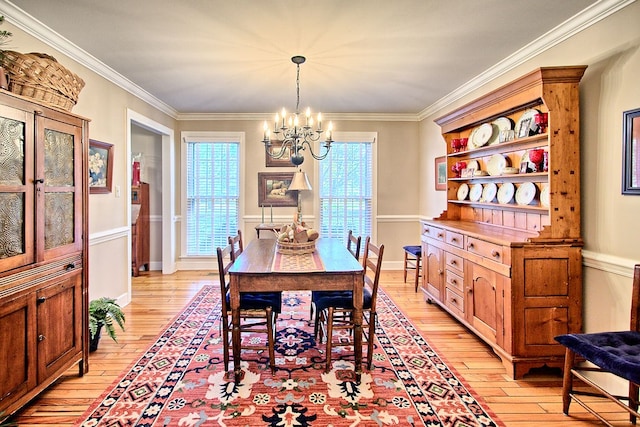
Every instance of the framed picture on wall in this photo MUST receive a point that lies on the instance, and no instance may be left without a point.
(273, 189)
(275, 148)
(631, 152)
(100, 167)
(441, 173)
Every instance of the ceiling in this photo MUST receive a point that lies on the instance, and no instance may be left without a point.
(363, 56)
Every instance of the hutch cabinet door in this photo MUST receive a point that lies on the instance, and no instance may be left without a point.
(59, 192)
(16, 188)
(435, 272)
(486, 305)
(59, 324)
(17, 342)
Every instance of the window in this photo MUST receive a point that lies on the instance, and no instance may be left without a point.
(346, 186)
(211, 191)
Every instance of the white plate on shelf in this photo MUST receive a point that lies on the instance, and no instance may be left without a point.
(496, 164)
(525, 193)
(489, 192)
(463, 191)
(473, 164)
(528, 120)
(495, 135)
(483, 135)
(503, 123)
(470, 143)
(475, 193)
(544, 196)
(505, 193)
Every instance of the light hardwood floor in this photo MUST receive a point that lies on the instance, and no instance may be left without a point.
(532, 401)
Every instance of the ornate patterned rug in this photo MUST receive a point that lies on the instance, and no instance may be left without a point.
(180, 380)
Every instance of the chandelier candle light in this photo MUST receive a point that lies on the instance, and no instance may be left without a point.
(294, 136)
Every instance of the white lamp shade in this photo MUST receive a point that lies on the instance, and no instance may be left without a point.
(300, 181)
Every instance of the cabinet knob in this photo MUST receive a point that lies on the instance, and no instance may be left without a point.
(495, 254)
(38, 181)
(453, 262)
(454, 282)
(470, 246)
(454, 239)
(40, 338)
(440, 272)
(70, 266)
(453, 300)
(41, 300)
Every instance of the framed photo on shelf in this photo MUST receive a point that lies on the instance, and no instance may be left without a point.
(273, 189)
(284, 161)
(100, 167)
(441, 173)
(631, 152)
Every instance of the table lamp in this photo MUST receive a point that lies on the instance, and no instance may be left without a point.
(300, 182)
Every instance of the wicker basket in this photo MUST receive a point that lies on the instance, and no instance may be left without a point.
(42, 78)
(289, 248)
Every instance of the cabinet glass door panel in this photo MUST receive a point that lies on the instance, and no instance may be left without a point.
(62, 201)
(16, 189)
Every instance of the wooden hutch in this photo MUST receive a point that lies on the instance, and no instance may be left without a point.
(511, 271)
(140, 250)
(43, 247)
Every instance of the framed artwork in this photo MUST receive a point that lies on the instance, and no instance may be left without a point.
(100, 167)
(631, 152)
(441, 173)
(273, 189)
(284, 161)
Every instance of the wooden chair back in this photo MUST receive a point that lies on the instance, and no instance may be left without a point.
(236, 245)
(372, 263)
(635, 300)
(353, 244)
(225, 261)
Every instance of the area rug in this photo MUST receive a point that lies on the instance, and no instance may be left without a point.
(180, 380)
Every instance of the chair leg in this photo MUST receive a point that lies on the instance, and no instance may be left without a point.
(405, 267)
(329, 337)
(270, 340)
(370, 339)
(225, 342)
(567, 380)
(633, 400)
(417, 272)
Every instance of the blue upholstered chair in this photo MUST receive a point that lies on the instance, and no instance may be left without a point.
(412, 258)
(334, 308)
(258, 311)
(616, 353)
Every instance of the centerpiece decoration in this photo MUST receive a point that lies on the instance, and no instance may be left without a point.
(296, 238)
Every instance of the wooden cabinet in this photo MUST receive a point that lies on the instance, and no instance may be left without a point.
(512, 271)
(43, 247)
(139, 228)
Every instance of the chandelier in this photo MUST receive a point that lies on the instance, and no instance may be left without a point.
(295, 136)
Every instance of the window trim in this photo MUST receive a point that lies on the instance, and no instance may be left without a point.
(353, 137)
(207, 136)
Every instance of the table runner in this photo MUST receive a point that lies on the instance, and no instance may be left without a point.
(303, 263)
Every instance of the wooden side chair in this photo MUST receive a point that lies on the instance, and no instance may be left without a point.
(616, 353)
(236, 245)
(334, 309)
(353, 246)
(412, 261)
(258, 311)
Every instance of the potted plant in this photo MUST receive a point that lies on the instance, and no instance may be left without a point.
(104, 312)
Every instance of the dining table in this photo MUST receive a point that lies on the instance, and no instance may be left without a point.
(261, 268)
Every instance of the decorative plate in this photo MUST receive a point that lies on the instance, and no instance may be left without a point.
(505, 193)
(495, 136)
(473, 164)
(525, 193)
(482, 135)
(475, 192)
(463, 191)
(503, 123)
(496, 164)
(470, 142)
(526, 123)
(489, 192)
(544, 196)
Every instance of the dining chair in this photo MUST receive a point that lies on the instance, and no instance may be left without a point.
(616, 353)
(335, 308)
(236, 245)
(258, 311)
(353, 246)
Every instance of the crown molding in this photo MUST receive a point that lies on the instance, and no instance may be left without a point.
(374, 117)
(579, 22)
